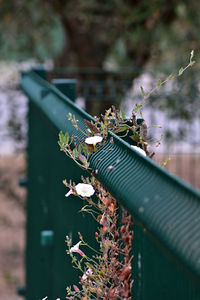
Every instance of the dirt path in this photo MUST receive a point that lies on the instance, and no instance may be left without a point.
(12, 222)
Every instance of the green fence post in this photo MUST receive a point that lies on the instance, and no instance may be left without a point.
(50, 216)
(67, 87)
(40, 71)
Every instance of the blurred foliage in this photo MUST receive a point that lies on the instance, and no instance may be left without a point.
(29, 29)
(109, 34)
(89, 32)
(179, 98)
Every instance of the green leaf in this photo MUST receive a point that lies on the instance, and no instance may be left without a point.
(143, 92)
(69, 116)
(180, 71)
(166, 161)
(135, 137)
(66, 138)
(137, 107)
(75, 152)
(61, 137)
(87, 165)
(121, 129)
(171, 77)
(108, 111)
(159, 83)
(85, 150)
(80, 148)
(122, 113)
(74, 259)
(91, 126)
(192, 62)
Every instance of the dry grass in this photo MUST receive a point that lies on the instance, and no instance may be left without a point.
(12, 221)
(186, 166)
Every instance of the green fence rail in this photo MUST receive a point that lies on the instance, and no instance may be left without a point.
(165, 210)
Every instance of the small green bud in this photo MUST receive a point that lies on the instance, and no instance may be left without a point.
(143, 92)
(180, 71)
(159, 83)
(171, 77)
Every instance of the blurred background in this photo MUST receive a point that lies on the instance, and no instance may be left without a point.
(112, 48)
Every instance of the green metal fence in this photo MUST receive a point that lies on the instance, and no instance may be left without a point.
(165, 210)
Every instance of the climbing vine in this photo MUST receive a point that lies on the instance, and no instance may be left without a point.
(107, 273)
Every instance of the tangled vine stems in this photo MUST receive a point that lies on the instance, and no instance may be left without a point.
(133, 128)
(114, 120)
(107, 274)
(169, 78)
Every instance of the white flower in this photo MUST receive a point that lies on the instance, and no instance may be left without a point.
(75, 248)
(88, 272)
(84, 189)
(69, 193)
(84, 277)
(45, 298)
(139, 150)
(93, 140)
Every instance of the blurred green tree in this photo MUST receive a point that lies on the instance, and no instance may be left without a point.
(85, 33)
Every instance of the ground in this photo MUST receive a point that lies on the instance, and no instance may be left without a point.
(12, 226)
(186, 166)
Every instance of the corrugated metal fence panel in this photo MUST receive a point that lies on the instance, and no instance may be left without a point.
(166, 210)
